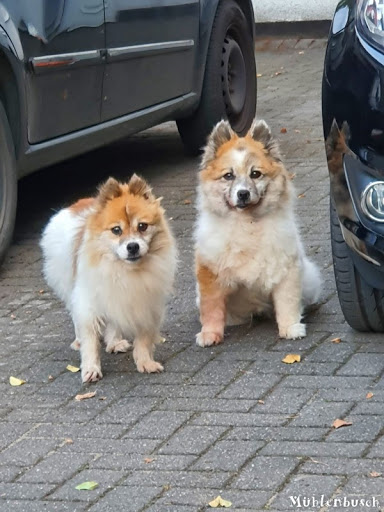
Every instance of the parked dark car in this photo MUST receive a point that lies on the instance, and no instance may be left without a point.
(353, 118)
(78, 74)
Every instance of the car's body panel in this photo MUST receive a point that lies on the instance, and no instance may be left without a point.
(58, 66)
(133, 66)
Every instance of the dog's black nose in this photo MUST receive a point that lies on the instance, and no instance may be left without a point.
(243, 195)
(133, 248)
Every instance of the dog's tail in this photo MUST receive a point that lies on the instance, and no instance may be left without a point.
(312, 282)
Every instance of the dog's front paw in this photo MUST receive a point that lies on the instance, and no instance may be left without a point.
(149, 366)
(91, 372)
(206, 339)
(293, 332)
(118, 346)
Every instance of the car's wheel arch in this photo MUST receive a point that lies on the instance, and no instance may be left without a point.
(208, 10)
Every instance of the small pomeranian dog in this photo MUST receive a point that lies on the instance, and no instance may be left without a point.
(112, 260)
(249, 257)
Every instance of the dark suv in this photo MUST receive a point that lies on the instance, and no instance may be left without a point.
(78, 74)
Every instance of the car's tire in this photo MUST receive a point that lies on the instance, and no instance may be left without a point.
(8, 184)
(361, 304)
(229, 87)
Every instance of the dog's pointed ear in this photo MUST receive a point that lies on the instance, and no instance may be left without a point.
(109, 190)
(139, 187)
(220, 134)
(261, 132)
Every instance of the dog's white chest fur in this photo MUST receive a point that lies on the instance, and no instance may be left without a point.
(248, 252)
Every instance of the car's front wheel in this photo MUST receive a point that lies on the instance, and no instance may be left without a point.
(229, 88)
(361, 304)
(8, 184)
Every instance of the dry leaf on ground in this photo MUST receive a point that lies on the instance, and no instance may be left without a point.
(69, 441)
(283, 130)
(162, 339)
(369, 395)
(87, 486)
(261, 402)
(341, 423)
(72, 369)
(148, 460)
(259, 75)
(291, 358)
(374, 474)
(300, 196)
(91, 394)
(14, 381)
(336, 340)
(219, 502)
(187, 201)
(292, 175)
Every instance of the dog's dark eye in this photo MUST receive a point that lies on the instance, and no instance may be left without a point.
(229, 176)
(255, 174)
(116, 230)
(142, 227)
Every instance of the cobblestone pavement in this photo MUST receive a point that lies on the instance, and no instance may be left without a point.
(231, 420)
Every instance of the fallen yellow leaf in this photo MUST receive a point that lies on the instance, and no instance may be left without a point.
(87, 486)
(341, 423)
(369, 395)
(374, 474)
(300, 196)
(162, 339)
(14, 381)
(336, 340)
(219, 502)
(73, 369)
(91, 394)
(291, 358)
(259, 75)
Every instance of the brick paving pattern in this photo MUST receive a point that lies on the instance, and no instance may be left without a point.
(230, 420)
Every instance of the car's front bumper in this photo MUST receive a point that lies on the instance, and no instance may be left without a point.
(353, 117)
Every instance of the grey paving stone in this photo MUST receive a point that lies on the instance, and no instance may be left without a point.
(265, 472)
(370, 408)
(56, 468)
(27, 452)
(183, 390)
(201, 497)
(158, 424)
(106, 480)
(40, 506)
(335, 466)
(228, 455)
(140, 462)
(377, 449)
(363, 429)
(192, 440)
(8, 473)
(295, 381)
(250, 386)
(207, 404)
(77, 431)
(318, 488)
(22, 491)
(321, 414)
(126, 499)
(115, 446)
(240, 419)
(276, 433)
(127, 411)
(285, 401)
(363, 364)
(184, 479)
(218, 372)
(313, 449)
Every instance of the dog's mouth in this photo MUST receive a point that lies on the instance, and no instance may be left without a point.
(241, 205)
(133, 258)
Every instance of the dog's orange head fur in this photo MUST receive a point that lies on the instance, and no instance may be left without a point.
(128, 222)
(243, 174)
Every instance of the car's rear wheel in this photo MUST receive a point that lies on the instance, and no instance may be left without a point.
(8, 184)
(229, 88)
(361, 304)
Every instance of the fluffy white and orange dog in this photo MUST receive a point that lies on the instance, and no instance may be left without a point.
(112, 260)
(249, 257)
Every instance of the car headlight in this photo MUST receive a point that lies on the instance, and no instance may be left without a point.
(372, 201)
(370, 20)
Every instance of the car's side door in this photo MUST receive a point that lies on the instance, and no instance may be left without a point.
(64, 51)
(151, 50)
